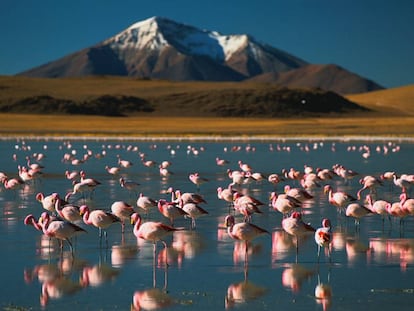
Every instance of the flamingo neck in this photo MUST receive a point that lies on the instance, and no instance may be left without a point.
(86, 218)
(137, 226)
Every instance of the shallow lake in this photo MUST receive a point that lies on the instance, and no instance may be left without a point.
(371, 265)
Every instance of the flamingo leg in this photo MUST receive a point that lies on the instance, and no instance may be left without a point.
(297, 248)
(319, 252)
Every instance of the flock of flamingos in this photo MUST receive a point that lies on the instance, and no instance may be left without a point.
(63, 218)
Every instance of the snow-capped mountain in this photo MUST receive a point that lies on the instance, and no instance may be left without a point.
(164, 49)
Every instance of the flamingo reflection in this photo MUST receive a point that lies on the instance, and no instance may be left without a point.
(153, 298)
(243, 292)
(323, 293)
(294, 275)
(55, 279)
(98, 274)
(282, 244)
(392, 251)
(244, 231)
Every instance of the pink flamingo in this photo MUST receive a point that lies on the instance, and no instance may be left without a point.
(226, 194)
(369, 182)
(146, 203)
(339, 199)
(129, 185)
(188, 197)
(194, 211)
(294, 225)
(170, 210)
(13, 183)
(49, 201)
(323, 237)
(221, 162)
(284, 203)
(151, 231)
(243, 232)
(379, 207)
(197, 180)
(124, 163)
(123, 211)
(298, 193)
(100, 219)
(71, 175)
(357, 211)
(69, 212)
(407, 203)
(60, 229)
(113, 170)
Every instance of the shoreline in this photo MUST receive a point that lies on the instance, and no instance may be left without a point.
(241, 138)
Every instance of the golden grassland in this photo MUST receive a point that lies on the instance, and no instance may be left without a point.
(47, 125)
(394, 116)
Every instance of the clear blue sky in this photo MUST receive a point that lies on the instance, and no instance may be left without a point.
(373, 38)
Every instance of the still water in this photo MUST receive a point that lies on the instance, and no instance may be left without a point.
(371, 265)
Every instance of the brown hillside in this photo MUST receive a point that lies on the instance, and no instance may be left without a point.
(114, 96)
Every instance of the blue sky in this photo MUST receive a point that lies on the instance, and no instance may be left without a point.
(373, 38)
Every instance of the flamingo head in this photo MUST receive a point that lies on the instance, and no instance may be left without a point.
(296, 215)
(44, 218)
(229, 221)
(135, 217)
(28, 220)
(326, 189)
(40, 196)
(83, 209)
(326, 223)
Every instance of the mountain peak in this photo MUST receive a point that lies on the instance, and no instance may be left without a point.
(161, 48)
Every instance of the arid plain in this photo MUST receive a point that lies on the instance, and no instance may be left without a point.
(392, 113)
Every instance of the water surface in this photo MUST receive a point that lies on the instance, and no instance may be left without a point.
(371, 268)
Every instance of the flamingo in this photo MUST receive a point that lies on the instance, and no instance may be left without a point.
(339, 199)
(129, 185)
(379, 207)
(401, 182)
(124, 163)
(323, 237)
(284, 203)
(30, 220)
(194, 211)
(407, 203)
(369, 182)
(13, 183)
(298, 193)
(60, 229)
(123, 211)
(146, 203)
(294, 225)
(71, 175)
(170, 210)
(188, 197)
(357, 211)
(243, 232)
(247, 205)
(221, 162)
(151, 231)
(226, 194)
(68, 212)
(197, 180)
(113, 170)
(244, 166)
(274, 179)
(48, 202)
(98, 218)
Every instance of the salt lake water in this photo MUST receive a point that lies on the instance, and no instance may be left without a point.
(372, 267)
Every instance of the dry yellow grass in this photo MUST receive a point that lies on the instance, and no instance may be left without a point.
(396, 101)
(394, 117)
(46, 125)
